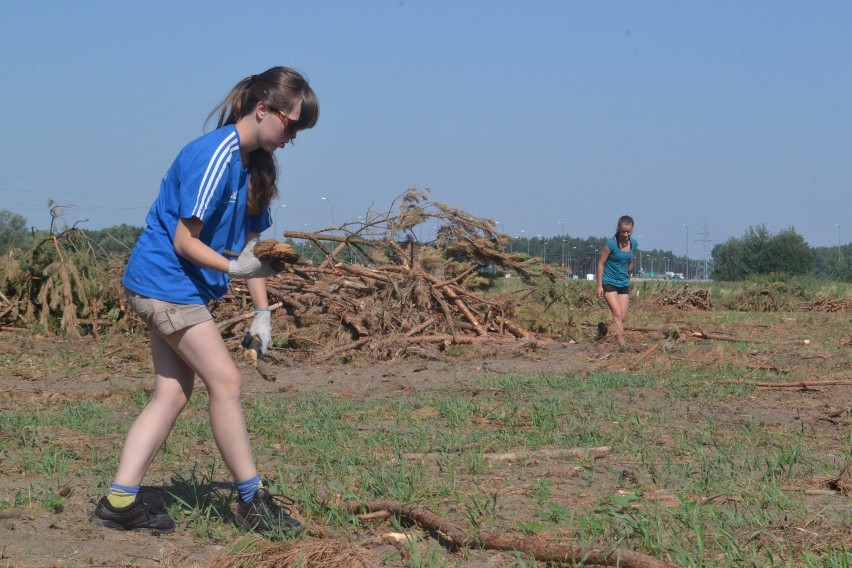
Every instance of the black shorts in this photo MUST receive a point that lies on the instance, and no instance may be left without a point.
(619, 289)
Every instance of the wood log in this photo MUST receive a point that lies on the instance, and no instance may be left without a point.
(451, 294)
(365, 272)
(541, 454)
(243, 316)
(541, 550)
(355, 322)
(275, 251)
(314, 237)
(802, 384)
(418, 328)
(512, 327)
(448, 314)
(550, 453)
(456, 279)
(343, 348)
(331, 256)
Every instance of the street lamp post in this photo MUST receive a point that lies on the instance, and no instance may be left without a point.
(562, 264)
(686, 257)
(275, 226)
(543, 250)
(332, 208)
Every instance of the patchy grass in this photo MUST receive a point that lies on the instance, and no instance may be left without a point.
(703, 466)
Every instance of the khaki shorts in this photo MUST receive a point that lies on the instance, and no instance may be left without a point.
(165, 318)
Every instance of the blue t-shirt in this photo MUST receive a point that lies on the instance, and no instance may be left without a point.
(615, 267)
(207, 182)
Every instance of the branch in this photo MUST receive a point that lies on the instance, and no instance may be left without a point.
(542, 551)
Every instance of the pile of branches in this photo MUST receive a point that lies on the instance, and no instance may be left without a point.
(63, 284)
(685, 298)
(380, 290)
(831, 305)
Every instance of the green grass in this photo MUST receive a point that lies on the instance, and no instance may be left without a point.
(662, 429)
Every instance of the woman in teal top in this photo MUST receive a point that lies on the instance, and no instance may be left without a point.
(614, 268)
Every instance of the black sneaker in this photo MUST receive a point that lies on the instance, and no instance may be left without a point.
(267, 513)
(139, 516)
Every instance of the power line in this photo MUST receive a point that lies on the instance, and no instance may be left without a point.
(80, 180)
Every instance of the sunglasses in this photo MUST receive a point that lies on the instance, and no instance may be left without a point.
(289, 124)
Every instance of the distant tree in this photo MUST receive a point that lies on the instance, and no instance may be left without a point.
(754, 244)
(759, 253)
(839, 264)
(834, 263)
(118, 239)
(13, 231)
(787, 253)
(728, 261)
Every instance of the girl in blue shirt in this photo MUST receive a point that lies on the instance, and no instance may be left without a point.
(214, 197)
(613, 275)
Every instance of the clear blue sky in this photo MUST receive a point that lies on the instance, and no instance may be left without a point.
(714, 115)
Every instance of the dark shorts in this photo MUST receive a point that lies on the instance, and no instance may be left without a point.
(619, 289)
(165, 318)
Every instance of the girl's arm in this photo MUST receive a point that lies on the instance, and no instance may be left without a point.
(599, 276)
(189, 246)
(257, 286)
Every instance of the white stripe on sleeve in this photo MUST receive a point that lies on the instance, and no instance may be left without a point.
(215, 170)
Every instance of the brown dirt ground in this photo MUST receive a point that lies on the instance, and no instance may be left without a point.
(34, 537)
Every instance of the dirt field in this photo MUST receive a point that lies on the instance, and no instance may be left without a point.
(45, 375)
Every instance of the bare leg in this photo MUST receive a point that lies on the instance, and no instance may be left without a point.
(151, 428)
(178, 358)
(618, 306)
(203, 349)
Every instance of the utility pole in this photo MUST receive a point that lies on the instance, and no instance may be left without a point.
(705, 238)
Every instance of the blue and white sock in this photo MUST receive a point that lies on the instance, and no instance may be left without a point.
(248, 488)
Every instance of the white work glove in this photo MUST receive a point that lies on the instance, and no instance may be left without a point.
(249, 266)
(260, 330)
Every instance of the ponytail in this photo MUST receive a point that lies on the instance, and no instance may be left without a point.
(280, 88)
